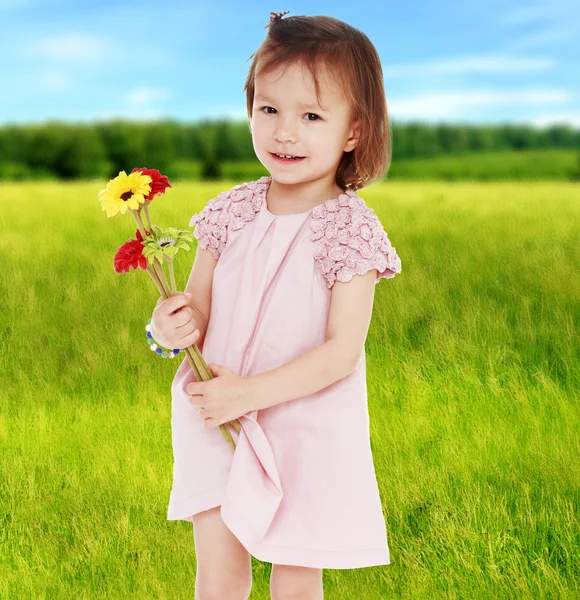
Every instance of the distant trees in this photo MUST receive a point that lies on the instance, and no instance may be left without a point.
(102, 149)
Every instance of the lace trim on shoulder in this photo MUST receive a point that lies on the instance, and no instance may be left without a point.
(351, 240)
(229, 211)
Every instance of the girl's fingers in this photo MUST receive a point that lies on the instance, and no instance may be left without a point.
(190, 339)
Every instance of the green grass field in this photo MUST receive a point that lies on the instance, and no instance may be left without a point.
(473, 381)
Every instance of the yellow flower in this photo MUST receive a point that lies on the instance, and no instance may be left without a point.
(125, 192)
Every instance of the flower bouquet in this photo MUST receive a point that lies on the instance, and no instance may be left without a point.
(152, 247)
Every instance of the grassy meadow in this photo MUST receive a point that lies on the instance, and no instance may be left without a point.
(473, 381)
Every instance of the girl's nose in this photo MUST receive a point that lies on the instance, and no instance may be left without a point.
(284, 133)
(283, 137)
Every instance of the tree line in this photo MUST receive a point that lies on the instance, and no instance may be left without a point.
(102, 149)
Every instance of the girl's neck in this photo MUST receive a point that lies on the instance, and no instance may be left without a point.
(286, 198)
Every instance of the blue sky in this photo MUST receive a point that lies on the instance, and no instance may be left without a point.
(487, 61)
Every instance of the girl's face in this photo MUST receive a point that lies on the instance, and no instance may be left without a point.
(286, 119)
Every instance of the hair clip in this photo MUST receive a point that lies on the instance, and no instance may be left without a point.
(276, 16)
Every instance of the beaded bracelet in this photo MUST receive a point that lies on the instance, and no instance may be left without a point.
(156, 348)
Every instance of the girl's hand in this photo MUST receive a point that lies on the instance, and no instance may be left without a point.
(174, 323)
(223, 398)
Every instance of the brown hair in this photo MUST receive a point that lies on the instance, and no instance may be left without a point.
(352, 59)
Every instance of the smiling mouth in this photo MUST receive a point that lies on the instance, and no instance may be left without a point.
(286, 156)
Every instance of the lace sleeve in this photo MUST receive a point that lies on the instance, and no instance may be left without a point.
(211, 225)
(227, 213)
(350, 240)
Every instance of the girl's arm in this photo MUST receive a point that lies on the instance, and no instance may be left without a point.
(350, 312)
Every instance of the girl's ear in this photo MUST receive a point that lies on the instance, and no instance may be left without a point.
(353, 138)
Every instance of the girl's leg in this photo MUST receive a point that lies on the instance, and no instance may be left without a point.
(224, 566)
(293, 583)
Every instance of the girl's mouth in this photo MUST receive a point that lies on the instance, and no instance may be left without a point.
(282, 160)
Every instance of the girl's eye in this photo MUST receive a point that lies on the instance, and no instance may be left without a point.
(269, 113)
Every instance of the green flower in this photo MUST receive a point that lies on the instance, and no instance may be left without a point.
(161, 243)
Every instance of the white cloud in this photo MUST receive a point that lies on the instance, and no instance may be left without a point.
(549, 36)
(226, 112)
(71, 47)
(451, 105)
(546, 119)
(127, 115)
(8, 4)
(554, 11)
(139, 106)
(142, 97)
(54, 81)
(526, 14)
(545, 24)
(468, 65)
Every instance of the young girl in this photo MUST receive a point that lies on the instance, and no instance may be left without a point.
(280, 300)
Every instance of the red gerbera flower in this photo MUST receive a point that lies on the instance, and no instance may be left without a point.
(158, 184)
(130, 254)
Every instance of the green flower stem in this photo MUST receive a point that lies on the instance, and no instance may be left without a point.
(146, 210)
(171, 273)
(156, 281)
(194, 366)
(137, 215)
(205, 374)
(198, 365)
(161, 274)
(156, 265)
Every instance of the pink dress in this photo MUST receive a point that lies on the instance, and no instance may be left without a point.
(300, 488)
